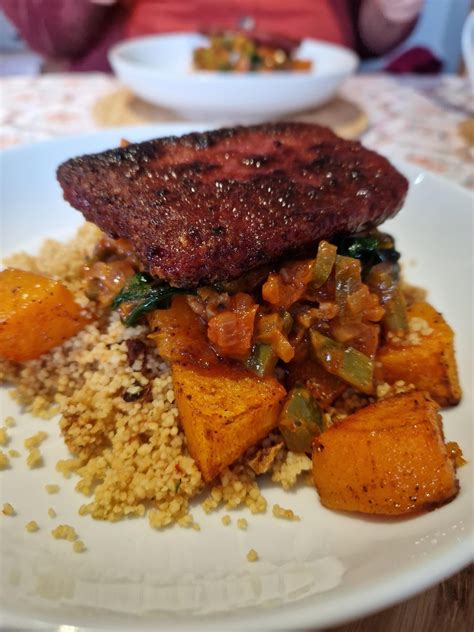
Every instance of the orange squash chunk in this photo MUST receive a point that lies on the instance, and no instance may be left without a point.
(429, 365)
(36, 314)
(224, 410)
(388, 458)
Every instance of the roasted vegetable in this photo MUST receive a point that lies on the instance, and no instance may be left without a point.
(104, 280)
(36, 314)
(428, 361)
(348, 282)
(289, 284)
(324, 263)
(224, 411)
(300, 420)
(383, 281)
(273, 329)
(262, 360)
(142, 294)
(231, 330)
(388, 458)
(180, 334)
(350, 365)
(323, 386)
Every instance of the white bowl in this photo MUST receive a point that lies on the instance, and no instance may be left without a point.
(322, 571)
(159, 69)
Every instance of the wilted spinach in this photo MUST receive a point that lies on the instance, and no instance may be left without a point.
(369, 248)
(143, 293)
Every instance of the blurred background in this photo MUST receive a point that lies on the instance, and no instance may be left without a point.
(43, 36)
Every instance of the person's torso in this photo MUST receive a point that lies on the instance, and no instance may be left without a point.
(328, 20)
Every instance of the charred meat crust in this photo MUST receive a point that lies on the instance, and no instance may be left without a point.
(207, 207)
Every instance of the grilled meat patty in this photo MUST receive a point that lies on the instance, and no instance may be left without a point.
(207, 207)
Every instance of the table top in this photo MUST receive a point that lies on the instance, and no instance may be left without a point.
(411, 118)
(415, 119)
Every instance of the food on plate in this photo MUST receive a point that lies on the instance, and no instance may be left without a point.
(425, 357)
(243, 316)
(224, 411)
(249, 51)
(209, 207)
(36, 314)
(388, 458)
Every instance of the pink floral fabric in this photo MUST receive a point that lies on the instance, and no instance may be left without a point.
(411, 118)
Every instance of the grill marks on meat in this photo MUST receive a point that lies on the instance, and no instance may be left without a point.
(207, 207)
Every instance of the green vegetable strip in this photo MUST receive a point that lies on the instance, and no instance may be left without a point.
(262, 360)
(144, 294)
(348, 281)
(395, 318)
(350, 365)
(300, 420)
(323, 263)
(382, 280)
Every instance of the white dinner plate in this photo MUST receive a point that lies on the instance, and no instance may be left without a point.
(327, 569)
(158, 68)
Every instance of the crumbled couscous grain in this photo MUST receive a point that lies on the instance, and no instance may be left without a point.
(224, 491)
(226, 520)
(52, 488)
(8, 510)
(286, 470)
(252, 555)
(242, 524)
(35, 440)
(417, 327)
(4, 438)
(67, 467)
(78, 546)
(382, 390)
(64, 532)
(286, 514)
(10, 422)
(14, 453)
(52, 513)
(34, 458)
(4, 461)
(32, 526)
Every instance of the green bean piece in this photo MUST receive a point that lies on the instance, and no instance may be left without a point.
(350, 365)
(382, 280)
(395, 319)
(262, 360)
(323, 263)
(300, 420)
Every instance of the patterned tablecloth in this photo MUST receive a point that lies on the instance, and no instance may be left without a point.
(412, 118)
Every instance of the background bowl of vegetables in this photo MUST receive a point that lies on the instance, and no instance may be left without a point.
(171, 71)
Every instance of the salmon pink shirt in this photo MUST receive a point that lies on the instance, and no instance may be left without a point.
(329, 20)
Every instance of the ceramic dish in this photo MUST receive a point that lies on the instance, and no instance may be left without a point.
(326, 569)
(158, 68)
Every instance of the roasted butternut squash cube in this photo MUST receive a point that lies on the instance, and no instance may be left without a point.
(388, 458)
(36, 314)
(224, 410)
(429, 363)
